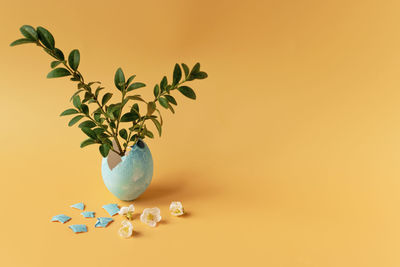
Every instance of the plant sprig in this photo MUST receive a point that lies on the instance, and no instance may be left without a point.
(102, 124)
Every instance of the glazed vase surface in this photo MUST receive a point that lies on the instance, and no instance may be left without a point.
(128, 177)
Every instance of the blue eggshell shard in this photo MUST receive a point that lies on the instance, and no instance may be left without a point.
(79, 206)
(112, 209)
(78, 228)
(128, 177)
(88, 214)
(103, 222)
(61, 218)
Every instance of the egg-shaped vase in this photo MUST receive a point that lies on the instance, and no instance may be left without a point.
(127, 177)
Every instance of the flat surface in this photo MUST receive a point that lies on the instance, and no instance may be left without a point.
(289, 157)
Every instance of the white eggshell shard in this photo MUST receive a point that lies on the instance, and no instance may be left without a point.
(128, 177)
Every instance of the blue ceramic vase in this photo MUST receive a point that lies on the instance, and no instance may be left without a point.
(128, 177)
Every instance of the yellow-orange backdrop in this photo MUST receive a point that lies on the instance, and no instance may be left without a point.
(289, 157)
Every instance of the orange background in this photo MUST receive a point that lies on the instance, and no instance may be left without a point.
(289, 157)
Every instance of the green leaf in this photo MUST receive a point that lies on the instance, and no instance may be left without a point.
(157, 124)
(156, 90)
(106, 98)
(29, 32)
(123, 133)
(103, 137)
(107, 141)
(58, 54)
(171, 108)
(135, 108)
(54, 64)
(85, 109)
(119, 79)
(46, 38)
(88, 96)
(134, 137)
(98, 91)
(151, 107)
(171, 99)
(58, 72)
(114, 110)
(130, 116)
(69, 112)
(149, 134)
(89, 132)
(76, 100)
(87, 124)
(98, 131)
(87, 142)
(187, 91)
(75, 120)
(134, 86)
(163, 83)
(21, 41)
(185, 69)
(135, 97)
(104, 149)
(163, 102)
(177, 74)
(91, 83)
(159, 113)
(97, 116)
(200, 75)
(130, 79)
(195, 70)
(74, 59)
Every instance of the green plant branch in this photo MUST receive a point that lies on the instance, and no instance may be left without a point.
(108, 113)
(82, 80)
(156, 99)
(121, 152)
